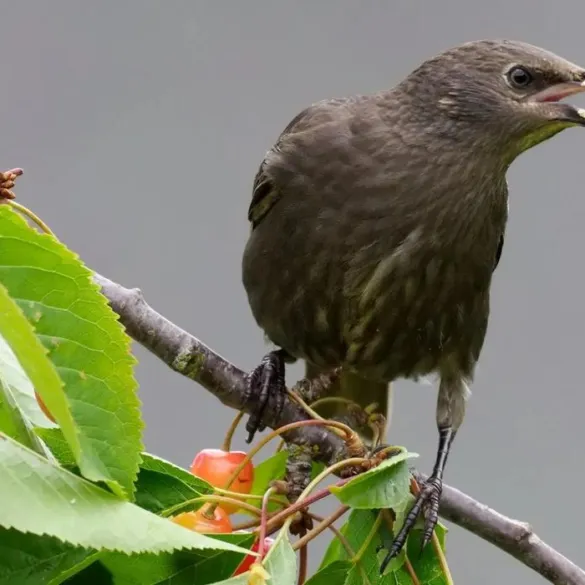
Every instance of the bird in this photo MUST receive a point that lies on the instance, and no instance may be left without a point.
(377, 221)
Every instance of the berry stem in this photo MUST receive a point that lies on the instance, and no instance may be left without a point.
(305, 500)
(334, 400)
(339, 535)
(31, 215)
(227, 442)
(254, 523)
(244, 497)
(368, 540)
(263, 521)
(303, 562)
(323, 525)
(349, 436)
(411, 571)
(215, 500)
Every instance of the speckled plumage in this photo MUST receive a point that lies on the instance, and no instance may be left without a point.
(377, 220)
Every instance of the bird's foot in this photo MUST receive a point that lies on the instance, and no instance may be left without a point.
(427, 501)
(265, 382)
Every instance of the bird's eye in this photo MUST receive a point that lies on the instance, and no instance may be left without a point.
(519, 77)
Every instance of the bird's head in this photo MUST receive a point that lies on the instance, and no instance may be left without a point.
(502, 94)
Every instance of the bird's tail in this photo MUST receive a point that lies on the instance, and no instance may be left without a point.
(352, 388)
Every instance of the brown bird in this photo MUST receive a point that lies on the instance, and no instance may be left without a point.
(378, 220)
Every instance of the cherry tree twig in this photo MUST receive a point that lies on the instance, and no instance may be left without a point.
(190, 357)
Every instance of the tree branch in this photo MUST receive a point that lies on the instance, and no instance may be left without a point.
(188, 356)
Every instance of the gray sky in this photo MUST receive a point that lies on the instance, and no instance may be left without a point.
(140, 126)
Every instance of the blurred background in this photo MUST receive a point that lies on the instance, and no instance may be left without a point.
(140, 126)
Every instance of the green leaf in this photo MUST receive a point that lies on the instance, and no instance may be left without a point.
(157, 492)
(178, 568)
(20, 338)
(21, 387)
(272, 468)
(356, 530)
(426, 562)
(13, 422)
(162, 485)
(153, 463)
(28, 559)
(159, 486)
(399, 577)
(93, 574)
(58, 446)
(368, 567)
(80, 568)
(100, 416)
(47, 499)
(333, 574)
(385, 486)
(281, 561)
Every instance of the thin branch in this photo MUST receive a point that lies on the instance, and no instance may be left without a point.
(512, 536)
(188, 356)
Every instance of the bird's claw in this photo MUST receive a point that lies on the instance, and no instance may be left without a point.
(7, 179)
(266, 381)
(427, 501)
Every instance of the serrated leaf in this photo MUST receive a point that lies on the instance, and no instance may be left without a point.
(178, 568)
(161, 485)
(385, 486)
(13, 422)
(158, 492)
(86, 344)
(20, 339)
(47, 499)
(21, 387)
(28, 559)
(153, 463)
(333, 574)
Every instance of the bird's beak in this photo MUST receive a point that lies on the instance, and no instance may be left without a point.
(556, 93)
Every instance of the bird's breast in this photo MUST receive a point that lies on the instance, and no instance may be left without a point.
(420, 304)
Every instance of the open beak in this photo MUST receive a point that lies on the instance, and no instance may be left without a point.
(556, 93)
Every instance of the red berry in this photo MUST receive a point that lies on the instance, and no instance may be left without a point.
(200, 522)
(249, 560)
(44, 407)
(217, 466)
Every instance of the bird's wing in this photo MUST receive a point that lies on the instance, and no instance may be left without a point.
(264, 193)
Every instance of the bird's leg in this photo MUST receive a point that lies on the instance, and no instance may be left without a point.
(266, 381)
(450, 413)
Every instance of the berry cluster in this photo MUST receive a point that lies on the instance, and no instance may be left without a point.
(217, 467)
